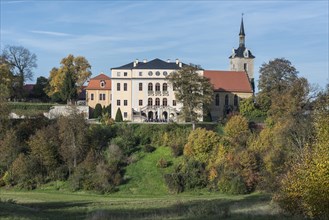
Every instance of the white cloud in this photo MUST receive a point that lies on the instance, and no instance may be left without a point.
(52, 33)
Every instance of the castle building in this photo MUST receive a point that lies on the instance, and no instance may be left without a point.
(142, 92)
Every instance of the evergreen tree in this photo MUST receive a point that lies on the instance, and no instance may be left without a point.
(118, 116)
(97, 111)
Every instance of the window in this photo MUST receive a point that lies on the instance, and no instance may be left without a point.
(157, 101)
(217, 100)
(164, 87)
(101, 96)
(118, 103)
(125, 114)
(140, 102)
(164, 102)
(157, 73)
(92, 96)
(140, 73)
(102, 83)
(245, 66)
(118, 86)
(125, 87)
(125, 74)
(150, 73)
(150, 102)
(236, 101)
(140, 86)
(157, 87)
(118, 74)
(165, 73)
(174, 102)
(125, 102)
(150, 87)
(226, 100)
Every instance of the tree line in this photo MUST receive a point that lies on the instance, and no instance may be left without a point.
(63, 84)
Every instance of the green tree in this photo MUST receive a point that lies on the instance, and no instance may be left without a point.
(118, 116)
(194, 91)
(68, 79)
(22, 62)
(44, 150)
(72, 134)
(97, 111)
(39, 88)
(275, 78)
(9, 150)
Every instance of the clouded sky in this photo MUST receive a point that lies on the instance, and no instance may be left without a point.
(114, 33)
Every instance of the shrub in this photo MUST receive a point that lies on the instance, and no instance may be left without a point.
(174, 182)
(118, 116)
(148, 148)
(162, 163)
(97, 111)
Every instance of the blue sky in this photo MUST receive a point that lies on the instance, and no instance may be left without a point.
(113, 33)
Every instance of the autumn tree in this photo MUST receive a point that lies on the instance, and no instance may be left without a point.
(194, 91)
(68, 79)
(6, 82)
(22, 62)
(304, 189)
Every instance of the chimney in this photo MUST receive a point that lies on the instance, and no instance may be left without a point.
(145, 61)
(135, 62)
(168, 60)
(177, 61)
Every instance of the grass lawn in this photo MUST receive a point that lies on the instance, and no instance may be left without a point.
(63, 205)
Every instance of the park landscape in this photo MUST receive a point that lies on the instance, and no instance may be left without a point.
(264, 157)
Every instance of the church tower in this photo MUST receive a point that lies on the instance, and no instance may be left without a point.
(242, 58)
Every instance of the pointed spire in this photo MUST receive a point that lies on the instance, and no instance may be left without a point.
(242, 34)
(242, 27)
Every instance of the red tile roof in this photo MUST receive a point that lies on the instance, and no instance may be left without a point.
(95, 83)
(229, 81)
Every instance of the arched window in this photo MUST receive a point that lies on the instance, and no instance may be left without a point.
(236, 101)
(157, 87)
(150, 102)
(164, 102)
(226, 100)
(217, 100)
(157, 101)
(164, 87)
(150, 87)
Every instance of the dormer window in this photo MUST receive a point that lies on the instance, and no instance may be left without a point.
(246, 53)
(102, 83)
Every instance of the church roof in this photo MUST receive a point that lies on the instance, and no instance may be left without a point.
(239, 53)
(229, 81)
(95, 83)
(153, 64)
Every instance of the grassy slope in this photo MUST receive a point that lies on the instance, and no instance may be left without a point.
(144, 177)
(144, 196)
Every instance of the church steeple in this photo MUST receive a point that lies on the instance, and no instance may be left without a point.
(242, 34)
